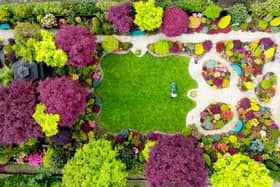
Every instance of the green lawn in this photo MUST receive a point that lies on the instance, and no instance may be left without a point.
(135, 93)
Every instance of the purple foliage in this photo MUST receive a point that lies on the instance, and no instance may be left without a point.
(85, 127)
(176, 161)
(274, 126)
(207, 45)
(237, 44)
(11, 57)
(65, 97)
(153, 136)
(245, 103)
(119, 16)
(63, 136)
(121, 138)
(95, 108)
(233, 151)
(17, 104)
(175, 21)
(215, 108)
(175, 48)
(267, 43)
(250, 115)
(78, 43)
(2, 167)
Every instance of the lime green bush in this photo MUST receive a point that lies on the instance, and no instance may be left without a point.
(148, 16)
(46, 51)
(272, 7)
(6, 75)
(239, 171)
(47, 157)
(195, 5)
(262, 24)
(94, 165)
(48, 122)
(4, 14)
(212, 11)
(257, 10)
(110, 43)
(25, 50)
(147, 149)
(267, 8)
(161, 47)
(25, 31)
(26, 34)
(187, 131)
(20, 12)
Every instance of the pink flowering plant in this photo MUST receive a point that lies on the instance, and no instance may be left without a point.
(35, 159)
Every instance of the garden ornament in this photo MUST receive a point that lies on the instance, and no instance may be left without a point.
(4, 26)
(173, 90)
(27, 71)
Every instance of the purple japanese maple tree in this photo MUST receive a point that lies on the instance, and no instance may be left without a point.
(17, 104)
(119, 16)
(78, 43)
(175, 21)
(176, 161)
(65, 97)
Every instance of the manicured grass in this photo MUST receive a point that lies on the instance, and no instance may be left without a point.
(135, 93)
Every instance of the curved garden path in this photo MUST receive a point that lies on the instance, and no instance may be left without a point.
(206, 95)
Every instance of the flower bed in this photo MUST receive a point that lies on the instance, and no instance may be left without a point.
(111, 44)
(215, 74)
(266, 89)
(256, 138)
(216, 116)
(253, 114)
(163, 48)
(247, 59)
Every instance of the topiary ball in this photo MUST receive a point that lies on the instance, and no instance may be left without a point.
(95, 165)
(240, 170)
